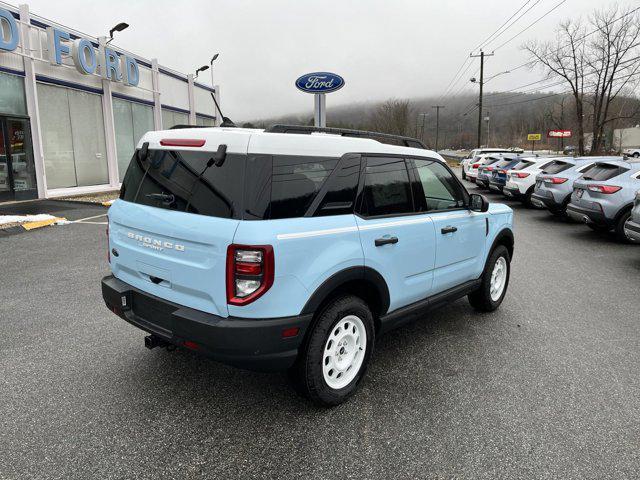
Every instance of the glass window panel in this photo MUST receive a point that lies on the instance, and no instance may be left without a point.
(87, 129)
(123, 119)
(204, 121)
(171, 118)
(12, 99)
(57, 145)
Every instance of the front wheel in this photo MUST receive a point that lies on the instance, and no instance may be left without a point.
(494, 281)
(335, 356)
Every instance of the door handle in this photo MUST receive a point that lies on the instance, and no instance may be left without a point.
(448, 229)
(385, 241)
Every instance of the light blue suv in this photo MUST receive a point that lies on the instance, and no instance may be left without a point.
(292, 248)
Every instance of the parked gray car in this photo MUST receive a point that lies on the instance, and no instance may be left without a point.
(603, 197)
(554, 185)
(632, 227)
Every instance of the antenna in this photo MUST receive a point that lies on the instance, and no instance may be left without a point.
(226, 121)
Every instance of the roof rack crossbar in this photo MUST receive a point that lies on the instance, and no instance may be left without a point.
(179, 127)
(345, 132)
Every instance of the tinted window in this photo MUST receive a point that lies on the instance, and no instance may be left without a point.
(603, 171)
(386, 187)
(181, 180)
(441, 190)
(506, 162)
(257, 190)
(556, 167)
(522, 165)
(341, 189)
(295, 182)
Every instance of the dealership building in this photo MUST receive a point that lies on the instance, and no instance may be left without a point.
(73, 107)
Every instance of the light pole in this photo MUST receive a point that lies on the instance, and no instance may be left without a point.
(118, 28)
(213, 85)
(201, 69)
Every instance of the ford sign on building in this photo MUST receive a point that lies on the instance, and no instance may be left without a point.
(73, 106)
(320, 82)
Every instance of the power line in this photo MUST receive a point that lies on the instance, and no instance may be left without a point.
(529, 26)
(515, 21)
(482, 44)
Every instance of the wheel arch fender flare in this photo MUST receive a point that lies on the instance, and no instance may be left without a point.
(365, 276)
(622, 211)
(504, 237)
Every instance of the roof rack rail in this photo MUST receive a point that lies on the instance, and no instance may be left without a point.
(345, 132)
(178, 127)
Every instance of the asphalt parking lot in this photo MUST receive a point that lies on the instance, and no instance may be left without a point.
(546, 387)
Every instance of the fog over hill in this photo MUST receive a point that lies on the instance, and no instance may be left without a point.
(511, 116)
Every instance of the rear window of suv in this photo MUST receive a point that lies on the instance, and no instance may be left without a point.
(522, 165)
(603, 171)
(181, 180)
(557, 166)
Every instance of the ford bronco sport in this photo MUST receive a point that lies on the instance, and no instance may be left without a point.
(293, 248)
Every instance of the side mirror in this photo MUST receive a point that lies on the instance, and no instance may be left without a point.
(143, 153)
(478, 203)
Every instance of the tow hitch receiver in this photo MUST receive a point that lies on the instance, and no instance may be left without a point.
(152, 341)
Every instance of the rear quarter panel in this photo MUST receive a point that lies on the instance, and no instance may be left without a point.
(307, 252)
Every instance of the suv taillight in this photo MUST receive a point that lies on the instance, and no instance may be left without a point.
(522, 175)
(475, 165)
(556, 180)
(250, 272)
(604, 188)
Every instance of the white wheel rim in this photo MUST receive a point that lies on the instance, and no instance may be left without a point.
(498, 279)
(344, 352)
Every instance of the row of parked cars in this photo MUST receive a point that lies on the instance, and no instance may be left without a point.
(602, 192)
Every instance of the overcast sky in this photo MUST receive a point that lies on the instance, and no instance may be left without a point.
(382, 48)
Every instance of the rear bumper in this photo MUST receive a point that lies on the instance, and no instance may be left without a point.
(632, 229)
(511, 192)
(482, 182)
(586, 215)
(496, 185)
(254, 344)
(547, 201)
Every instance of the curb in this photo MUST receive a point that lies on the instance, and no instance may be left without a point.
(26, 226)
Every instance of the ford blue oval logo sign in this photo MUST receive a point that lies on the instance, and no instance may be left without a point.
(320, 82)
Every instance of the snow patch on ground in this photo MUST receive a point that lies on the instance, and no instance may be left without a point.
(4, 219)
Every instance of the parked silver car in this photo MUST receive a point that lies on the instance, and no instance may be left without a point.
(554, 185)
(632, 227)
(603, 197)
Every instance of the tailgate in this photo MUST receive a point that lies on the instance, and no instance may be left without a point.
(177, 256)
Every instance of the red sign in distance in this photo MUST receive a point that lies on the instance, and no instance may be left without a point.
(559, 133)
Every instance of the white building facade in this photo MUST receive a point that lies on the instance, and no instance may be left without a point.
(73, 107)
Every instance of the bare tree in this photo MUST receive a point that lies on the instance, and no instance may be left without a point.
(597, 66)
(393, 116)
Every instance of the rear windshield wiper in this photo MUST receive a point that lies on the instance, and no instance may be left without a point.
(163, 197)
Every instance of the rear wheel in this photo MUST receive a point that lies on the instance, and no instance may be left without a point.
(335, 356)
(495, 281)
(527, 199)
(464, 175)
(621, 236)
(636, 155)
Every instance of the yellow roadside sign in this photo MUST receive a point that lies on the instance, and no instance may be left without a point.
(534, 137)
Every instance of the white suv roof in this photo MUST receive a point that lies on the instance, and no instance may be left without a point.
(247, 140)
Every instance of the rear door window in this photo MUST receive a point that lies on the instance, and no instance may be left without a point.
(387, 190)
(181, 180)
(341, 189)
(603, 172)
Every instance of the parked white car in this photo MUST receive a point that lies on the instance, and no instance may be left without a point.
(632, 152)
(473, 157)
(521, 179)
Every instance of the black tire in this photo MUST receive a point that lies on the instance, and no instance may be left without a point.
(527, 199)
(636, 155)
(619, 228)
(481, 298)
(464, 175)
(307, 374)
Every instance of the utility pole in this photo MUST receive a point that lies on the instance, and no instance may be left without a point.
(437, 107)
(422, 130)
(482, 55)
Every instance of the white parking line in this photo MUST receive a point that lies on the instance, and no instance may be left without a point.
(89, 218)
